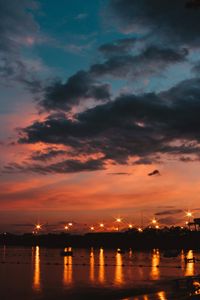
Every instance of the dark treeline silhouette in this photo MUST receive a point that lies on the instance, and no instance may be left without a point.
(167, 238)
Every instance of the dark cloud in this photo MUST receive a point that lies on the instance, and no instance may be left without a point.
(154, 173)
(171, 221)
(169, 212)
(118, 47)
(119, 173)
(46, 154)
(18, 29)
(81, 86)
(188, 159)
(167, 20)
(23, 225)
(150, 62)
(66, 166)
(192, 4)
(144, 126)
(146, 161)
(85, 85)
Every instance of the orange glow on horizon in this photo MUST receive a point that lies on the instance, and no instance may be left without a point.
(96, 195)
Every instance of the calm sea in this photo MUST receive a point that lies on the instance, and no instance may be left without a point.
(39, 273)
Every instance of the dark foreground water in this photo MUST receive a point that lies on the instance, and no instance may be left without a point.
(38, 273)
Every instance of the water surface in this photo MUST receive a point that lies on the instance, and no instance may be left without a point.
(39, 273)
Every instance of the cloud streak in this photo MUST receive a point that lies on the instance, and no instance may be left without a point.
(18, 30)
(66, 166)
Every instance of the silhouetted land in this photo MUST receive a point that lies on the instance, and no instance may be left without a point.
(168, 238)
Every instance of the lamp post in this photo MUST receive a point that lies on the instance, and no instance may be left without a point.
(38, 227)
(101, 225)
(118, 220)
(189, 215)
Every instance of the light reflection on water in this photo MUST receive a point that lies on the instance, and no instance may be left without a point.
(101, 268)
(92, 263)
(189, 271)
(67, 270)
(36, 274)
(155, 271)
(119, 269)
(162, 295)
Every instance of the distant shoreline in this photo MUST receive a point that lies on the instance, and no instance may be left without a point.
(146, 240)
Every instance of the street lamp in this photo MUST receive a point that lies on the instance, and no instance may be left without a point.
(189, 214)
(118, 220)
(38, 226)
(154, 221)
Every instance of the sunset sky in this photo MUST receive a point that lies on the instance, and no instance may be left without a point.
(95, 95)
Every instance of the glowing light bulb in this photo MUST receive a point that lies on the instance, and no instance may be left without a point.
(154, 221)
(101, 225)
(66, 227)
(38, 226)
(92, 228)
(130, 226)
(189, 214)
(118, 220)
(70, 224)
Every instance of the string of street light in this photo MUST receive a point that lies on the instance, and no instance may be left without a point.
(119, 225)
